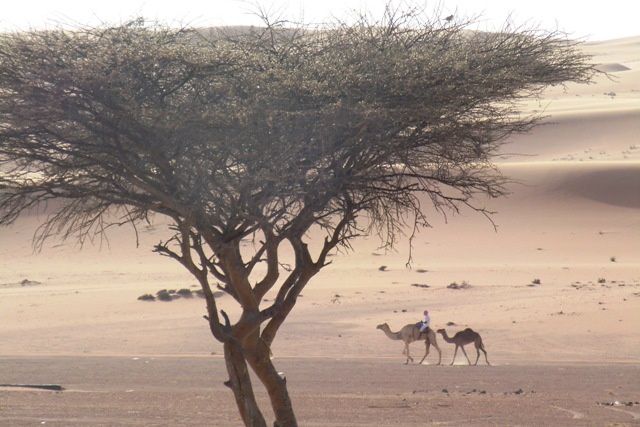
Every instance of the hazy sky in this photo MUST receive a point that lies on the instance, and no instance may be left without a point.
(587, 19)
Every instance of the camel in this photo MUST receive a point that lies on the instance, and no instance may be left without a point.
(410, 333)
(463, 338)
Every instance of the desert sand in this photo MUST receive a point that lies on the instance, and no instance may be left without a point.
(563, 349)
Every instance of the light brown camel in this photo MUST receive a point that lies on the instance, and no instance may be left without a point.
(410, 333)
(463, 338)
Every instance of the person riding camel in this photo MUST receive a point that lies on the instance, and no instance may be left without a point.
(426, 321)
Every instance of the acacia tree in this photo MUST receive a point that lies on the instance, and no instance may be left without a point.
(263, 133)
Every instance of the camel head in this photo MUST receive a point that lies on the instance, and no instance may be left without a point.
(383, 326)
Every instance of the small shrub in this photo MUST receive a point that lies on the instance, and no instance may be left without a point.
(420, 285)
(536, 281)
(146, 297)
(613, 259)
(455, 285)
(164, 295)
(185, 292)
(382, 268)
(602, 280)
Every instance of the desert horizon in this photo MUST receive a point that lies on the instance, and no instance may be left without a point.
(553, 289)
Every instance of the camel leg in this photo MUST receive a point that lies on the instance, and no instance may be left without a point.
(454, 355)
(485, 355)
(406, 351)
(477, 353)
(435, 344)
(426, 352)
(465, 354)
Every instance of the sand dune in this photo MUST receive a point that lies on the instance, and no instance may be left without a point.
(621, 49)
(617, 186)
(580, 137)
(612, 67)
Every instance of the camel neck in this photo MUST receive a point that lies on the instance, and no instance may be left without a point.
(446, 337)
(392, 335)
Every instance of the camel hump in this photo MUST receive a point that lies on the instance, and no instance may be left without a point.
(469, 330)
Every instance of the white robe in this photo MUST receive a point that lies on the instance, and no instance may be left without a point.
(425, 323)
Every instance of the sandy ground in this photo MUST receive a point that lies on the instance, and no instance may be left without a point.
(329, 392)
(572, 222)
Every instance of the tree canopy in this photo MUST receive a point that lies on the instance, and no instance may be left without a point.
(264, 133)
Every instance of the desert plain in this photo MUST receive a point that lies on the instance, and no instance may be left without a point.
(553, 289)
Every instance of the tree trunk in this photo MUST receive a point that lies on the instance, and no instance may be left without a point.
(275, 385)
(241, 386)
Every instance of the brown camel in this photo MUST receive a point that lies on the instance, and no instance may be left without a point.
(410, 333)
(463, 338)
